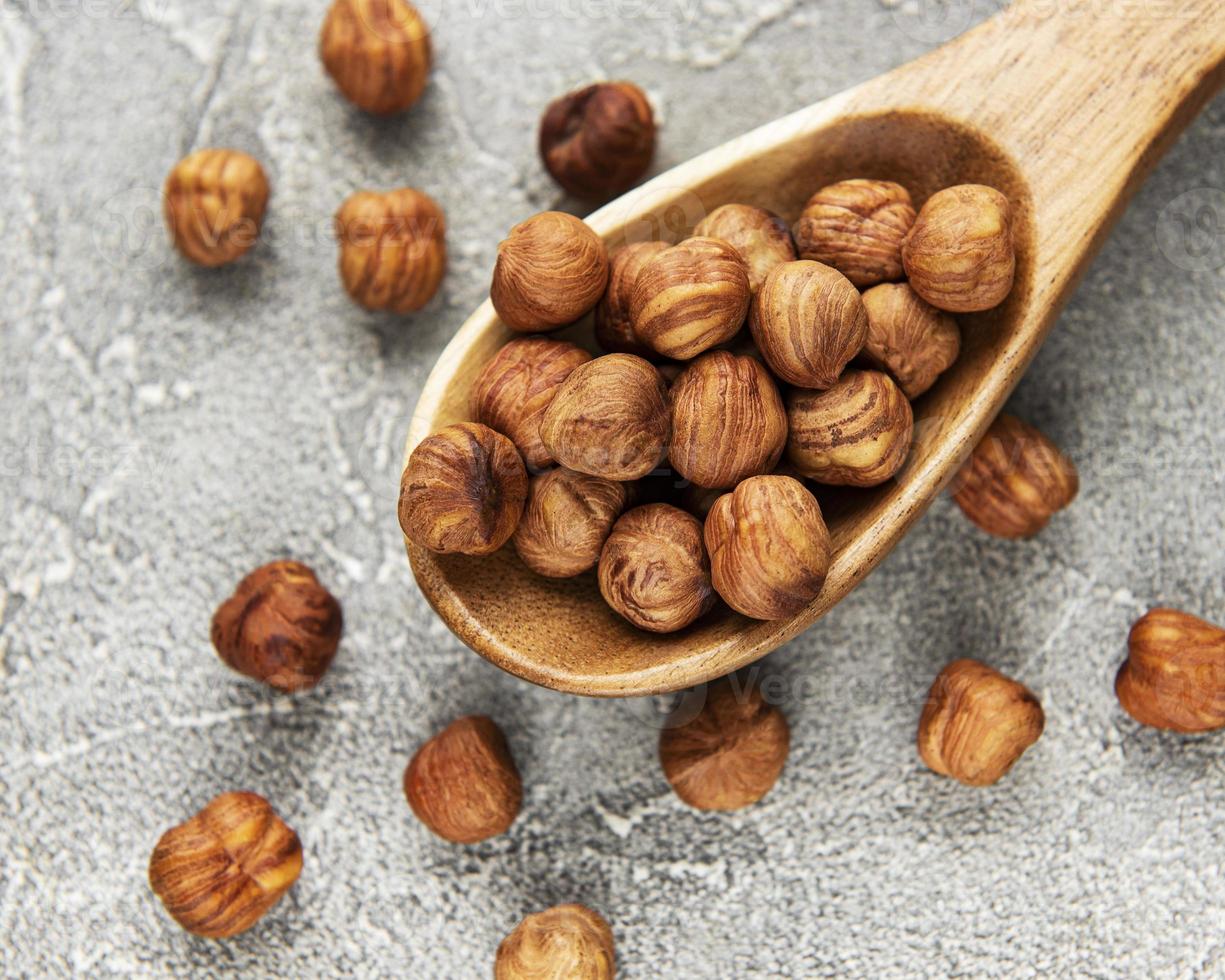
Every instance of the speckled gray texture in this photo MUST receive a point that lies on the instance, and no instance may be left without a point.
(162, 430)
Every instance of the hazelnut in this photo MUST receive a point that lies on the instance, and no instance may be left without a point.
(654, 570)
(959, 254)
(609, 418)
(567, 942)
(769, 547)
(551, 270)
(281, 626)
(690, 298)
(614, 325)
(378, 53)
(760, 236)
(463, 783)
(463, 491)
(215, 202)
(977, 723)
(393, 249)
(808, 322)
(220, 871)
(731, 754)
(1174, 675)
(857, 226)
(598, 141)
(567, 520)
(856, 434)
(699, 500)
(909, 338)
(728, 421)
(517, 385)
(1015, 480)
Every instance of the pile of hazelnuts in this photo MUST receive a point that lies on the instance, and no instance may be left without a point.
(848, 320)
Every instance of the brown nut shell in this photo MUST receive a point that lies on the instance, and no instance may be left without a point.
(281, 626)
(463, 491)
(769, 547)
(690, 298)
(959, 255)
(761, 237)
(463, 783)
(214, 202)
(1174, 675)
(614, 324)
(857, 226)
(808, 321)
(393, 249)
(856, 434)
(731, 754)
(568, 518)
(378, 53)
(598, 141)
(1015, 480)
(908, 337)
(552, 269)
(220, 871)
(566, 942)
(654, 570)
(514, 389)
(610, 418)
(977, 723)
(728, 421)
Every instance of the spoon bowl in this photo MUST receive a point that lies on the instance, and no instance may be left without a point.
(1066, 144)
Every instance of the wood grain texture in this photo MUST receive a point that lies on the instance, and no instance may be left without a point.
(1063, 113)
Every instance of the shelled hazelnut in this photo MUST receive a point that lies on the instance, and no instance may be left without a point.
(514, 389)
(566, 942)
(568, 518)
(220, 871)
(609, 418)
(908, 338)
(614, 323)
(690, 297)
(393, 249)
(654, 570)
(598, 141)
(761, 237)
(1174, 675)
(731, 754)
(977, 723)
(856, 434)
(552, 269)
(1015, 480)
(857, 226)
(808, 321)
(463, 491)
(214, 202)
(769, 547)
(378, 53)
(463, 783)
(281, 626)
(959, 255)
(728, 421)
(699, 500)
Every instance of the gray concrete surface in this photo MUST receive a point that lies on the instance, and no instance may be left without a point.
(163, 430)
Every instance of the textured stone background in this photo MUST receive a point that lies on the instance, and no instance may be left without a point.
(164, 429)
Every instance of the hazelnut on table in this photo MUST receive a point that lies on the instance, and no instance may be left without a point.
(598, 141)
(614, 323)
(378, 53)
(908, 337)
(857, 226)
(281, 626)
(214, 203)
(566, 942)
(393, 249)
(568, 517)
(220, 871)
(761, 237)
(463, 783)
(1174, 675)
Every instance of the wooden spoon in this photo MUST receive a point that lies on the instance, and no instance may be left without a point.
(1064, 107)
